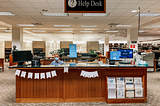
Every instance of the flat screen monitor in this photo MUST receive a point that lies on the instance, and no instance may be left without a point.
(22, 56)
(114, 55)
(126, 53)
(157, 55)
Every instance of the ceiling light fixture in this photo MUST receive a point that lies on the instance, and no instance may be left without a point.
(148, 14)
(54, 14)
(133, 11)
(154, 26)
(65, 31)
(112, 31)
(95, 14)
(25, 25)
(62, 25)
(85, 31)
(124, 25)
(141, 31)
(7, 13)
(88, 25)
(38, 31)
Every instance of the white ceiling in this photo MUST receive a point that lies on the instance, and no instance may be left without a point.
(28, 11)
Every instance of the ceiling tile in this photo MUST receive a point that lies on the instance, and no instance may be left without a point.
(57, 5)
(41, 5)
(113, 1)
(18, 0)
(23, 4)
(3, 4)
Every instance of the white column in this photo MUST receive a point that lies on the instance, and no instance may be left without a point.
(17, 37)
(106, 45)
(132, 35)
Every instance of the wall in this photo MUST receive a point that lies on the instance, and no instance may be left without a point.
(51, 46)
(1, 49)
(81, 46)
(94, 45)
(65, 44)
(27, 45)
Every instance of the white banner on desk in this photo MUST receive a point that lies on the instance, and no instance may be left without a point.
(30, 75)
(53, 73)
(89, 74)
(36, 75)
(42, 75)
(48, 74)
(23, 74)
(17, 72)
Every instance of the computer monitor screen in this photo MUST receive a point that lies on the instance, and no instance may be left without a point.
(22, 56)
(157, 55)
(114, 55)
(126, 53)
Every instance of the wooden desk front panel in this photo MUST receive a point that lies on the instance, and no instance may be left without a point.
(70, 87)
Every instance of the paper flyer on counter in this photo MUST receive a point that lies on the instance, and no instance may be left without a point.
(111, 93)
(137, 79)
(128, 79)
(120, 79)
(120, 93)
(130, 93)
(138, 92)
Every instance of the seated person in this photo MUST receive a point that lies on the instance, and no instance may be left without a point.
(57, 61)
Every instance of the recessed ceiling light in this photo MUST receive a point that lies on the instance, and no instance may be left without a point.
(154, 26)
(85, 31)
(88, 25)
(141, 31)
(148, 14)
(54, 14)
(112, 31)
(38, 31)
(7, 13)
(95, 14)
(133, 11)
(124, 25)
(65, 31)
(25, 25)
(62, 25)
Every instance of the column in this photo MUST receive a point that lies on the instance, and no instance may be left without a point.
(17, 37)
(132, 35)
(106, 45)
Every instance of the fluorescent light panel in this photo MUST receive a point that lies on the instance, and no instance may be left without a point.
(54, 14)
(141, 31)
(88, 25)
(62, 25)
(25, 25)
(7, 13)
(154, 26)
(85, 31)
(133, 11)
(112, 31)
(38, 31)
(148, 14)
(95, 14)
(124, 25)
(65, 31)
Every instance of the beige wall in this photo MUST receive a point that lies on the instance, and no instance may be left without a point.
(81, 46)
(2, 49)
(65, 44)
(27, 46)
(51, 46)
(94, 45)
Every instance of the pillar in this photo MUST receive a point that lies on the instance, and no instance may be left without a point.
(17, 37)
(106, 45)
(132, 35)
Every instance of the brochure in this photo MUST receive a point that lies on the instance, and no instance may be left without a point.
(138, 92)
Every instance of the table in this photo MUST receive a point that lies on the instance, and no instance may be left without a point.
(2, 63)
(71, 87)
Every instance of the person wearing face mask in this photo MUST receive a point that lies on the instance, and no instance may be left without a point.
(57, 61)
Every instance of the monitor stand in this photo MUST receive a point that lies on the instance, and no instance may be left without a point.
(124, 62)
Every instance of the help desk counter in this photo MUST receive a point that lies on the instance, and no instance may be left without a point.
(80, 83)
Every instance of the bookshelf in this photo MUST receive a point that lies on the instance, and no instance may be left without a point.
(7, 50)
(38, 47)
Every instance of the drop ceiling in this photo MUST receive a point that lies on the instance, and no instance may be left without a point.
(28, 12)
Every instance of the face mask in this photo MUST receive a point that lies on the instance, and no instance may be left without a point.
(56, 59)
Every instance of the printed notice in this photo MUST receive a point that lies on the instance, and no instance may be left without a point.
(138, 92)
(120, 93)
(120, 79)
(129, 85)
(129, 93)
(111, 93)
(128, 79)
(137, 79)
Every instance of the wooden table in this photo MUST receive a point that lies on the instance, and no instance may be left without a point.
(71, 87)
(2, 63)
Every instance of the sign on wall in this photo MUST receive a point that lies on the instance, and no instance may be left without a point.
(85, 6)
(72, 50)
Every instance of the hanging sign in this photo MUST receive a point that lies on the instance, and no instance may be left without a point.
(72, 50)
(85, 6)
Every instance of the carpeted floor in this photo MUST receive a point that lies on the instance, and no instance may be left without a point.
(7, 92)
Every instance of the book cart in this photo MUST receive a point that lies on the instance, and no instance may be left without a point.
(125, 89)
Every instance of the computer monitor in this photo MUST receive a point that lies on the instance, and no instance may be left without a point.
(155, 48)
(22, 56)
(114, 55)
(145, 47)
(157, 55)
(126, 53)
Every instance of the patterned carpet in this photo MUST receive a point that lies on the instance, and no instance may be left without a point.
(7, 92)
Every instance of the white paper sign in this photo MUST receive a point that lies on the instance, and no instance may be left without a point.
(53, 73)
(89, 74)
(17, 72)
(36, 76)
(42, 75)
(23, 74)
(48, 74)
(65, 69)
(30, 75)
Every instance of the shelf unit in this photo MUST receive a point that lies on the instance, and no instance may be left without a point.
(38, 47)
(101, 49)
(7, 50)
